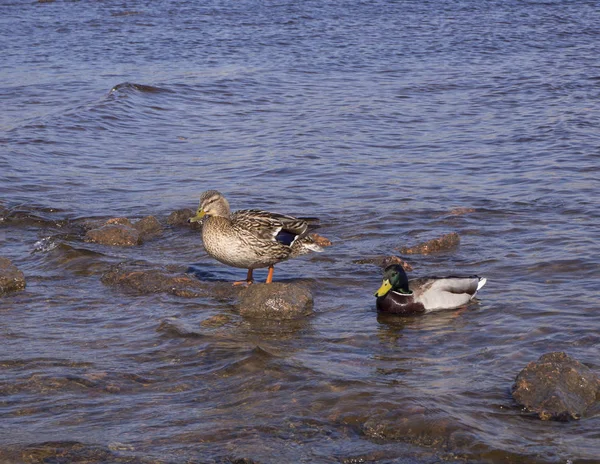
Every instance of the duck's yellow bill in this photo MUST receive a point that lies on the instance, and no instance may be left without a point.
(386, 286)
(198, 217)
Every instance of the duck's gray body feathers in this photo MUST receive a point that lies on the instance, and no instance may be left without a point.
(428, 294)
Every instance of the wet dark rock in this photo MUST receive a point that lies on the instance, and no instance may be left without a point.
(414, 425)
(155, 281)
(148, 227)
(176, 328)
(114, 235)
(556, 387)
(121, 231)
(66, 452)
(120, 220)
(216, 321)
(275, 301)
(180, 218)
(443, 243)
(11, 278)
(320, 240)
(384, 261)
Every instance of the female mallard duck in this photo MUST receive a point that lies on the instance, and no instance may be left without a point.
(250, 238)
(398, 295)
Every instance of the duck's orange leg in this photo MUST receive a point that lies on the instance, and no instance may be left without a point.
(248, 280)
(270, 275)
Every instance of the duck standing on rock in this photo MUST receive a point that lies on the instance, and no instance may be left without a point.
(250, 238)
(398, 295)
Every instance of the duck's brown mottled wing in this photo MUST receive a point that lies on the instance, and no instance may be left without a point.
(266, 226)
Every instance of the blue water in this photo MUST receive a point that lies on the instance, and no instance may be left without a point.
(394, 123)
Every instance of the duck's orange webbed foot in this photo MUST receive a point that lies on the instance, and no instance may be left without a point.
(246, 282)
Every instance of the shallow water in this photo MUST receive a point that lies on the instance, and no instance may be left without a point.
(394, 123)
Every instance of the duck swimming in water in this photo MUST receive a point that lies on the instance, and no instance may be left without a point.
(398, 295)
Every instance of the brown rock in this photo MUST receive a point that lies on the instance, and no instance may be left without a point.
(384, 261)
(275, 301)
(320, 240)
(154, 281)
(216, 321)
(148, 227)
(461, 211)
(11, 278)
(444, 243)
(114, 235)
(556, 387)
(180, 218)
(119, 220)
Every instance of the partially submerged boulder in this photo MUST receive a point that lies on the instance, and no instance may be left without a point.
(114, 235)
(148, 227)
(384, 261)
(122, 232)
(180, 218)
(11, 278)
(443, 243)
(556, 387)
(275, 301)
(155, 281)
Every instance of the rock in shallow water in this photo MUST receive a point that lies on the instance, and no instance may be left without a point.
(276, 301)
(154, 281)
(556, 387)
(121, 232)
(114, 235)
(180, 218)
(11, 278)
(444, 243)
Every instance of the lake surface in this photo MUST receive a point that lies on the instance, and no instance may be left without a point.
(392, 122)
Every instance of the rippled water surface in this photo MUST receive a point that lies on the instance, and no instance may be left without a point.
(394, 123)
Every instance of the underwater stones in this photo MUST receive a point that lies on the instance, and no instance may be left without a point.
(443, 243)
(114, 235)
(148, 227)
(320, 240)
(275, 301)
(122, 232)
(556, 387)
(384, 261)
(154, 281)
(11, 278)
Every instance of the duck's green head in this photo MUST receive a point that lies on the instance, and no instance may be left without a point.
(212, 203)
(394, 278)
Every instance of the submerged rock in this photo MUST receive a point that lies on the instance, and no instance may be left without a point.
(11, 278)
(275, 301)
(180, 218)
(114, 235)
(444, 243)
(384, 261)
(556, 387)
(65, 451)
(121, 231)
(320, 240)
(148, 227)
(155, 281)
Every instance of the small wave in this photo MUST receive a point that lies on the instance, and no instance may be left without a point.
(44, 245)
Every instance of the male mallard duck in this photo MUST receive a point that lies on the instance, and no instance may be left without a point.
(398, 295)
(250, 238)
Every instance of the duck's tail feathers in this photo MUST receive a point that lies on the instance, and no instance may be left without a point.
(310, 242)
(481, 283)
